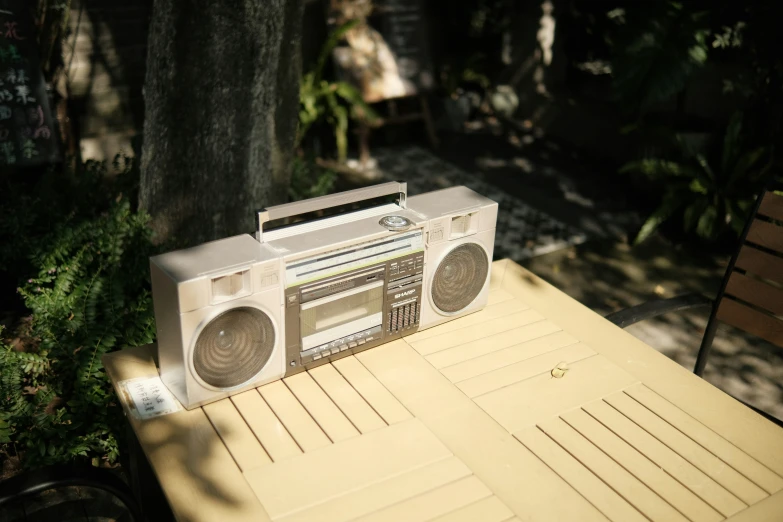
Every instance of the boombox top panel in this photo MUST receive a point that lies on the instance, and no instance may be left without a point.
(303, 240)
(213, 257)
(449, 201)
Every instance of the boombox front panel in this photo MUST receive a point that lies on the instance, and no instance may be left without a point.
(337, 315)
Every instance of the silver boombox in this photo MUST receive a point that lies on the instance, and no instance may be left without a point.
(240, 312)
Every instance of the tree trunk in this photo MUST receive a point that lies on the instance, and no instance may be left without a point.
(221, 104)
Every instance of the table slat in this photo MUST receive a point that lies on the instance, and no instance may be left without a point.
(236, 435)
(294, 417)
(634, 491)
(523, 370)
(491, 344)
(498, 296)
(680, 497)
(347, 399)
(507, 356)
(321, 408)
(768, 510)
(702, 459)
(490, 509)
(499, 303)
(381, 400)
(379, 495)
(272, 434)
(541, 397)
(679, 468)
(466, 334)
(714, 443)
(579, 477)
(434, 503)
(313, 478)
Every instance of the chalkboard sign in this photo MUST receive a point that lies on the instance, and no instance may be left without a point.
(27, 133)
(387, 55)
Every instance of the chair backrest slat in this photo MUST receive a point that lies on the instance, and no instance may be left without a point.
(756, 292)
(751, 294)
(751, 320)
(760, 263)
(772, 206)
(766, 234)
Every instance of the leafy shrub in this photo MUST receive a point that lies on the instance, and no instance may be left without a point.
(87, 293)
(657, 47)
(334, 102)
(714, 188)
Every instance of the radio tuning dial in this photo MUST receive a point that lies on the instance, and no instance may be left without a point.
(395, 223)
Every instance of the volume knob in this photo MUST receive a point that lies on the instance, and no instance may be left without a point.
(395, 223)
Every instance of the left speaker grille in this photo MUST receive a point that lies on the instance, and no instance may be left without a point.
(234, 347)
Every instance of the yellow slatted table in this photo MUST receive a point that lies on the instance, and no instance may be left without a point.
(465, 422)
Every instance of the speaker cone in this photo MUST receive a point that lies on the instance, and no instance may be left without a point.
(459, 278)
(233, 347)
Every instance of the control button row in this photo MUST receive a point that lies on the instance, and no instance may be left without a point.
(340, 345)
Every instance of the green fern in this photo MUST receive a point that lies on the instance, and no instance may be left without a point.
(87, 292)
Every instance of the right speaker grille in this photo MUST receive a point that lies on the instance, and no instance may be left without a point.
(459, 278)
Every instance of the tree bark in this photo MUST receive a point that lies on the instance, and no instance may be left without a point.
(221, 109)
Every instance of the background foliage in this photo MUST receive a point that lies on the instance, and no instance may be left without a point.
(707, 184)
(82, 252)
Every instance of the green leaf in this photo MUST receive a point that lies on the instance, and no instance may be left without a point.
(658, 168)
(693, 213)
(655, 53)
(737, 217)
(672, 201)
(745, 165)
(706, 174)
(341, 133)
(354, 98)
(698, 187)
(707, 226)
(330, 44)
(731, 142)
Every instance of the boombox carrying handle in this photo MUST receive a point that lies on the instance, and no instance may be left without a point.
(333, 200)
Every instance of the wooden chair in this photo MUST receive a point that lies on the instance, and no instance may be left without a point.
(751, 294)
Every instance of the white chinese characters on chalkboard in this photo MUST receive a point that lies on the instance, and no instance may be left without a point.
(27, 135)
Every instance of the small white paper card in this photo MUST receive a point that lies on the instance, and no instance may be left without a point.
(149, 397)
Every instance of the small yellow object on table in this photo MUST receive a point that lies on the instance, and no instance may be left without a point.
(534, 408)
